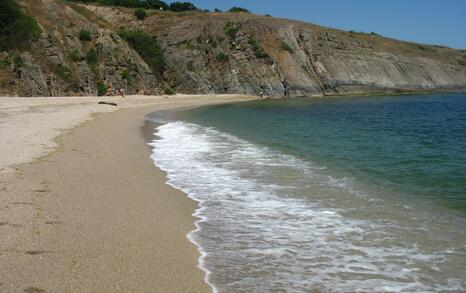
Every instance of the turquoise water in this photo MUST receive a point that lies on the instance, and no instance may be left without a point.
(363, 194)
(413, 144)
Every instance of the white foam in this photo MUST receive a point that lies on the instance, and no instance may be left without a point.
(269, 221)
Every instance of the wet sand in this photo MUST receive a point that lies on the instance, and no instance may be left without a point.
(95, 214)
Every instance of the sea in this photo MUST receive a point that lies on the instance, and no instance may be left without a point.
(334, 194)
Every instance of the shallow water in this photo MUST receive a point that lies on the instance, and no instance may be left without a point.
(337, 195)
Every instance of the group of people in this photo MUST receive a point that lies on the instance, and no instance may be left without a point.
(286, 89)
(112, 92)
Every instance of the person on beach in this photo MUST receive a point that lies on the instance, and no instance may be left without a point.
(121, 92)
(262, 91)
(110, 91)
(285, 87)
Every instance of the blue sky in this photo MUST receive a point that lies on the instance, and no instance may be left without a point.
(440, 22)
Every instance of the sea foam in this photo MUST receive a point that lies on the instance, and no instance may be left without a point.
(269, 221)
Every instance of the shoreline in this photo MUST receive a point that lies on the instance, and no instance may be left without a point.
(96, 214)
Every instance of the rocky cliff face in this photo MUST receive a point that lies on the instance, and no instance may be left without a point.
(60, 64)
(223, 53)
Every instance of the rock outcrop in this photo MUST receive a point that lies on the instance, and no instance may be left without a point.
(222, 53)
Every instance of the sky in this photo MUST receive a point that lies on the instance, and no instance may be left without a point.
(437, 22)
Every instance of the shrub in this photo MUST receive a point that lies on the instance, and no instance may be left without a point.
(425, 48)
(182, 6)
(140, 13)
(16, 28)
(132, 67)
(101, 88)
(18, 61)
(230, 30)
(127, 73)
(85, 35)
(222, 57)
(238, 9)
(5, 62)
(462, 62)
(257, 48)
(190, 45)
(92, 57)
(74, 55)
(64, 72)
(169, 91)
(287, 47)
(212, 42)
(147, 47)
(190, 66)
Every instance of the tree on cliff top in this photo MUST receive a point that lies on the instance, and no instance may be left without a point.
(238, 9)
(182, 6)
(16, 28)
(147, 4)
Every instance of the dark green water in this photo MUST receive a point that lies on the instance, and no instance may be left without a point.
(412, 145)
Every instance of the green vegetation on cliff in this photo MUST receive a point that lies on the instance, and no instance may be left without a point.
(147, 47)
(257, 48)
(148, 4)
(16, 28)
(140, 13)
(231, 29)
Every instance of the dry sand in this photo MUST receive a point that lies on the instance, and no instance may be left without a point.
(94, 215)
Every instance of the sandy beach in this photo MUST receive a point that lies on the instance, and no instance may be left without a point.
(82, 206)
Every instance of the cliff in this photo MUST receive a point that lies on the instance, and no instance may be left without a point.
(219, 53)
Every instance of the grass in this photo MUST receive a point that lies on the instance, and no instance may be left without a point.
(168, 91)
(306, 69)
(91, 16)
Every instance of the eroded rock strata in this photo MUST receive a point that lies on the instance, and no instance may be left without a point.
(217, 53)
